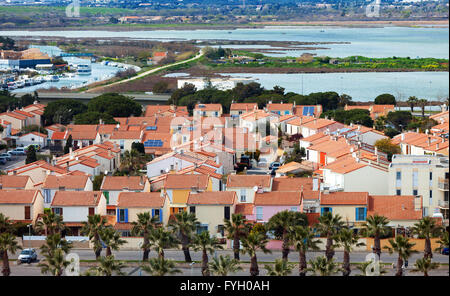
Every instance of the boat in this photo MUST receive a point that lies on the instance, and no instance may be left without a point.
(54, 78)
(28, 82)
(20, 83)
(84, 69)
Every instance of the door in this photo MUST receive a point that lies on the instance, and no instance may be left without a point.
(27, 213)
(91, 211)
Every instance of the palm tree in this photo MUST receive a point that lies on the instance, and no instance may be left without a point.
(185, 224)
(412, 101)
(8, 243)
(160, 267)
(162, 239)
(347, 239)
(54, 264)
(224, 265)
(281, 223)
(54, 242)
(207, 244)
(50, 224)
(131, 162)
(403, 247)
(422, 103)
(426, 228)
(92, 228)
(280, 268)
(443, 242)
(111, 239)
(376, 226)
(254, 241)
(424, 265)
(363, 268)
(303, 239)
(143, 227)
(322, 266)
(107, 267)
(5, 224)
(328, 225)
(236, 229)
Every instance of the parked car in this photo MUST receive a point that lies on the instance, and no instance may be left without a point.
(28, 256)
(274, 165)
(262, 162)
(7, 156)
(20, 151)
(3, 161)
(445, 251)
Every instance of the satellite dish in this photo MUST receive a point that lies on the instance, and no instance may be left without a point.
(167, 170)
(255, 188)
(106, 172)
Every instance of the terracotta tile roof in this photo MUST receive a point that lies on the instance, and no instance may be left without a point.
(254, 115)
(277, 198)
(344, 198)
(27, 114)
(314, 137)
(106, 128)
(14, 181)
(126, 135)
(38, 164)
(243, 106)
(14, 115)
(82, 127)
(18, 196)
(287, 117)
(318, 123)
(212, 198)
(248, 181)
(208, 107)
(301, 121)
(56, 127)
(394, 207)
(36, 134)
(58, 135)
(83, 135)
(438, 116)
(67, 181)
(140, 200)
(279, 106)
(244, 209)
(310, 194)
(121, 182)
(291, 184)
(123, 226)
(76, 198)
(186, 181)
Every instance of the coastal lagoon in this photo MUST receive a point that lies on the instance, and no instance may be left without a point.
(384, 41)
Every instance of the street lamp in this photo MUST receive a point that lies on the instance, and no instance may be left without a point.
(29, 233)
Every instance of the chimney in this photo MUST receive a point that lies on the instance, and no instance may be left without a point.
(70, 152)
(403, 137)
(54, 160)
(315, 184)
(429, 140)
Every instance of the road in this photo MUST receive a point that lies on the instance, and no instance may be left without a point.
(199, 55)
(18, 161)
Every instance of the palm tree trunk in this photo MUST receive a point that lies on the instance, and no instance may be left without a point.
(98, 250)
(346, 264)
(254, 271)
(205, 269)
(184, 246)
(428, 254)
(6, 271)
(302, 264)
(285, 247)
(236, 247)
(108, 251)
(377, 246)
(161, 254)
(146, 248)
(329, 252)
(399, 267)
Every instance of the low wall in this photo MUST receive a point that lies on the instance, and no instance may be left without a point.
(39, 241)
(419, 244)
(132, 243)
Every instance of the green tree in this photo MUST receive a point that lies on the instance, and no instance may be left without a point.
(185, 224)
(69, 144)
(400, 119)
(254, 241)
(62, 111)
(93, 228)
(236, 229)
(281, 223)
(160, 267)
(139, 147)
(224, 265)
(403, 248)
(443, 241)
(280, 268)
(422, 104)
(426, 229)
(386, 146)
(143, 227)
(424, 265)
(206, 244)
(107, 266)
(303, 239)
(375, 227)
(50, 223)
(31, 155)
(162, 239)
(111, 238)
(160, 87)
(412, 101)
(116, 105)
(132, 162)
(54, 251)
(321, 266)
(9, 244)
(97, 182)
(385, 99)
(329, 226)
(347, 239)
(94, 118)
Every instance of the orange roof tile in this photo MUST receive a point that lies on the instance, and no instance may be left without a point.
(394, 207)
(76, 198)
(66, 181)
(13, 181)
(244, 209)
(18, 196)
(140, 200)
(277, 198)
(345, 198)
(212, 198)
(186, 181)
(291, 184)
(121, 182)
(248, 181)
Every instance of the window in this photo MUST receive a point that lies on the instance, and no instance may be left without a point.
(293, 209)
(398, 192)
(259, 213)
(431, 179)
(415, 176)
(47, 196)
(216, 113)
(360, 214)
(226, 213)
(27, 212)
(122, 216)
(58, 211)
(201, 228)
(415, 192)
(156, 212)
(425, 211)
(398, 178)
(91, 211)
(106, 194)
(122, 144)
(326, 210)
(192, 210)
(243, 195)
(431, 194)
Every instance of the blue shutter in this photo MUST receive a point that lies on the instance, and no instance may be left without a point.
(356, 214)
(153, 213)
(126, 215)
(118, 215)
(331, 210)
(321, 211)
(365, 213)
(160, 215)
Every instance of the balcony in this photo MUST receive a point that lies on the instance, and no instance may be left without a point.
(443, 204)
(443, 184)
